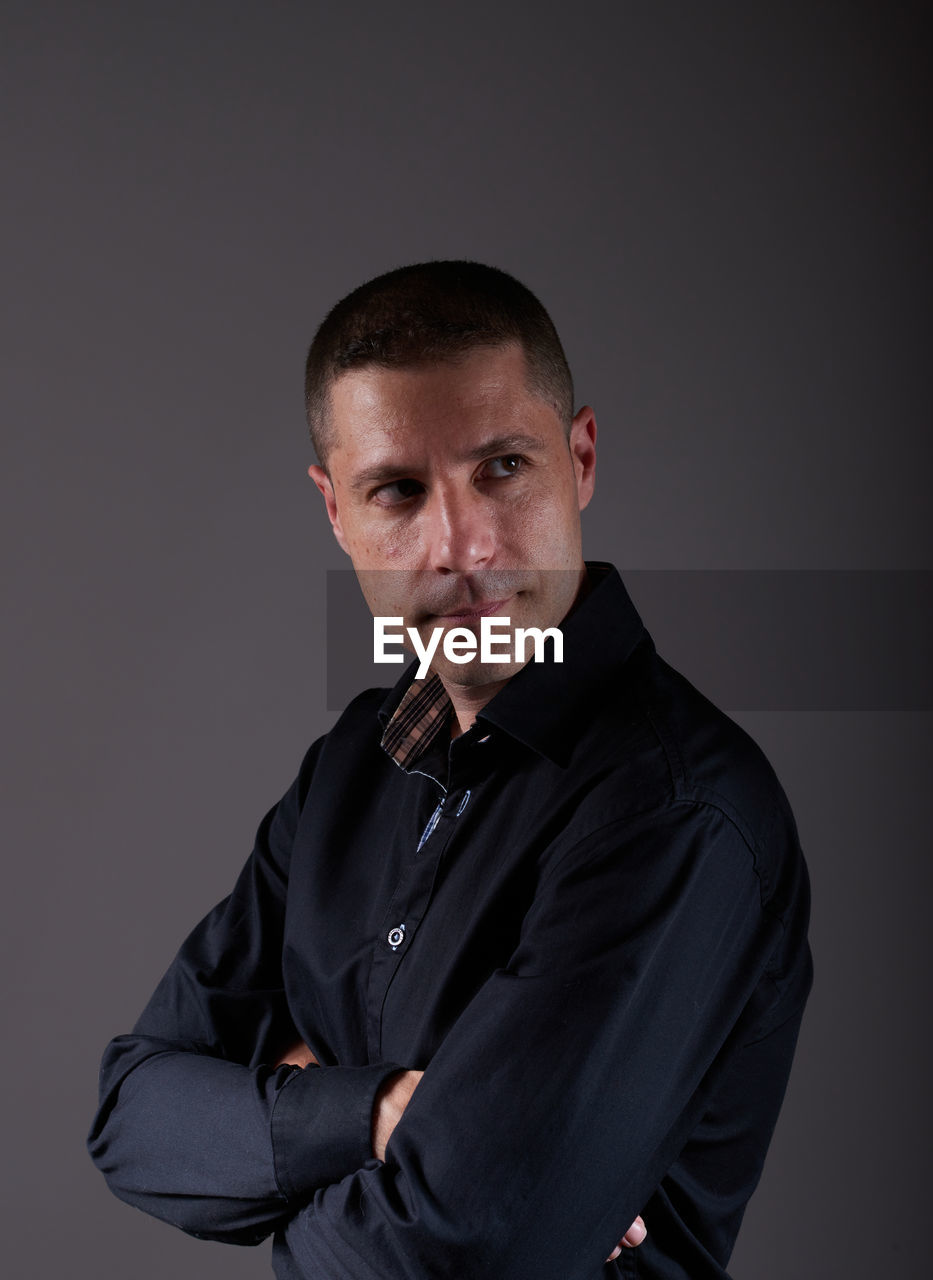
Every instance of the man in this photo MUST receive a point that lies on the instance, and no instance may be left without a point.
(522, 952)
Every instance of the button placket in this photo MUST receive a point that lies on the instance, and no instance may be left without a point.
(412, 897)
(432, 823)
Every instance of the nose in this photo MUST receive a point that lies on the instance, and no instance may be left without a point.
(460, 534)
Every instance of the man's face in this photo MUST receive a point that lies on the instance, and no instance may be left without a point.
(456, 493)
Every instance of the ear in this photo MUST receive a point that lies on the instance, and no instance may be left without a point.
(582, 444)
(323, 482)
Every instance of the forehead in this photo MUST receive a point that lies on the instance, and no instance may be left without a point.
(475, 388)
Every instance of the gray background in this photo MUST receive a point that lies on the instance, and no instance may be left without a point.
(727, 211)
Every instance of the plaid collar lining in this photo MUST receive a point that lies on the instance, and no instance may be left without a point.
(416, 721)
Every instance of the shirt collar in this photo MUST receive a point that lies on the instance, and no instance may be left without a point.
(544, 704)
(416, 721)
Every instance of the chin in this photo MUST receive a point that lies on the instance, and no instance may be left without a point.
(475, 675)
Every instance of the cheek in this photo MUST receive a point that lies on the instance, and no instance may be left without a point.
(376, 544)
(542, 529)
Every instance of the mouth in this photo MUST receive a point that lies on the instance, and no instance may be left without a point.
(467, 613)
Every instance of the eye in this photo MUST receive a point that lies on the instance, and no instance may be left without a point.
(397, 492)
(501, 468)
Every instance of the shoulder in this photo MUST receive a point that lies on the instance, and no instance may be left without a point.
(353, 739)
(714, 762)
(664, 757)
(361, 715)
(358, 725)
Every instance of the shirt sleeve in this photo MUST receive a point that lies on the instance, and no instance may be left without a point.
(570, 1083)
(194, 1125)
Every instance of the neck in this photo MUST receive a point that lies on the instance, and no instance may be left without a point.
(468, 702)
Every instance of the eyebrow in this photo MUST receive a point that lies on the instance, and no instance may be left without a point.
(515, 442)
(378, 475)
(385, 473)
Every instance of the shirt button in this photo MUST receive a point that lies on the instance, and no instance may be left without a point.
(396, 937)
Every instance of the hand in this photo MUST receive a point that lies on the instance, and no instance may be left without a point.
(299, 1055)
(634, 1236)
(393, 1097)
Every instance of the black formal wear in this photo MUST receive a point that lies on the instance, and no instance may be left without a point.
(584, 920)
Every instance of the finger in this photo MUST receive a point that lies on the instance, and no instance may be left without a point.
(299, 1055)
(632, 1238)
(635, 1234)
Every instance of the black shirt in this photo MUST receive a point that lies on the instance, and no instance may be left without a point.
(584, 919)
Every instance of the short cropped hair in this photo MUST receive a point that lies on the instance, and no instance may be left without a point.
(428, 312)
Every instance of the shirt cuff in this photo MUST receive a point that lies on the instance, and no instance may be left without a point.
(322, 1125)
